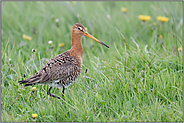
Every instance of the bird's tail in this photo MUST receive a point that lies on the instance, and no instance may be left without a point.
(31, 81)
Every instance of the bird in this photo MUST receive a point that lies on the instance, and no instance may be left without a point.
(62, 70)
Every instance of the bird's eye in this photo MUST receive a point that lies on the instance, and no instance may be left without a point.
(80, 28)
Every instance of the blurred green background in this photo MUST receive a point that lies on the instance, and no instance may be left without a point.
(139, 78)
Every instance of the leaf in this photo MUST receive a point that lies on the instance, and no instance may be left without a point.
(99, 98)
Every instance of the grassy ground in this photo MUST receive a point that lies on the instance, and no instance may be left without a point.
(139, 78)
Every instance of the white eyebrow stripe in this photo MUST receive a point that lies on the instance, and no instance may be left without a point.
(80, 28)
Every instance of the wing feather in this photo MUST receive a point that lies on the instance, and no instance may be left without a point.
(58, 68)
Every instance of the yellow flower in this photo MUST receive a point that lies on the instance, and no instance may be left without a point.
(34, 116)
(27, 37)
(144, 17)
(74, 2)
(162, 19)
(124, 9)
(180, 49)
(154, 23)
(86, 28)
(160, 37)
(62, 44)
(33, 88)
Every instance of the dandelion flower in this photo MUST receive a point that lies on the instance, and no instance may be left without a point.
(124, 9)
(144, 18)
(162, 19)
(160, 37)
(33, 89)
(26, 37)
(62, 44)
(50, 42)
(33, 50)
(74, 2)
(34, 116)
(180, 49)
(154, 23)
(57, 20)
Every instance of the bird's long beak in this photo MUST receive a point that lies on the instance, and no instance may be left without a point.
(90, 36)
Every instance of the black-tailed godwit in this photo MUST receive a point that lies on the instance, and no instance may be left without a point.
(63, 69)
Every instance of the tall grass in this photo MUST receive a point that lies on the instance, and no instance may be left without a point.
(139, 78)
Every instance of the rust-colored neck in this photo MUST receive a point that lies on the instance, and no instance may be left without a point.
(76, 44)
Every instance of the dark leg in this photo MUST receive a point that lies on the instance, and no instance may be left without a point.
(63, 94)
(63, 91)
(48, 92)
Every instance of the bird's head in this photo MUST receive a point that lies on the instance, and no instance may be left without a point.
(80, 30)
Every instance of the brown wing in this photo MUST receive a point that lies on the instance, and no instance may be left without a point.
(58, 68)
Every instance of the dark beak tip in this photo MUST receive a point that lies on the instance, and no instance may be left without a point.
(104, 44)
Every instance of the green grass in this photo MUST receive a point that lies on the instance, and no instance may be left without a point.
(139, 78)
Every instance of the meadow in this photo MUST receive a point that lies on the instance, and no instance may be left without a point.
(138, 79)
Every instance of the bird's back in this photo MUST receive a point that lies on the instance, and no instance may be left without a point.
(62, 70)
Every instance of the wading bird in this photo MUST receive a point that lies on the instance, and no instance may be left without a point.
(63, 69)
